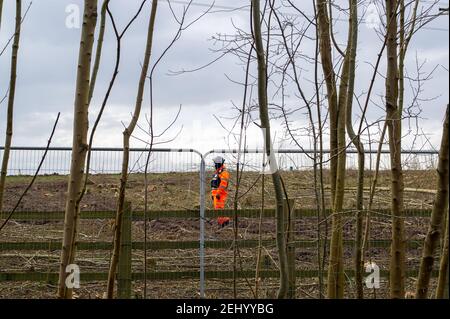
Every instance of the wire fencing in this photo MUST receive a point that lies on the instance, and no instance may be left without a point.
(185, 244)
(30, 244)
(25, 160)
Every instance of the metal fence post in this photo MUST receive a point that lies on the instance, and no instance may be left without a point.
(202, 227)
(125, 258)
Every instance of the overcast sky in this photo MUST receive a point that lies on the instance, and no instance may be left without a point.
(48, 59)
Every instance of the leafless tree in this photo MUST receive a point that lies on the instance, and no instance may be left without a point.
(154, 138)
(265, 125)
(119, 36)
(126, 151)
(11, 98)
(99, 49)
(410, 20)
(393, 123)
(80, 146)
(442, 288)
(353, 42)
(338, 101)
(440, 207)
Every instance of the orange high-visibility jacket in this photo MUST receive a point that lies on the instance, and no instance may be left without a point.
(219, 191)
(224, 177)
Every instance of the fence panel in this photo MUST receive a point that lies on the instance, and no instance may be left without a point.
(184, 241)
(300, 183)
(173, 185)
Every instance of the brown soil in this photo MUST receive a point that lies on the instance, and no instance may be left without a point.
(179, 192)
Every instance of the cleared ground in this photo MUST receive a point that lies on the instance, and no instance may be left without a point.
(181, 192)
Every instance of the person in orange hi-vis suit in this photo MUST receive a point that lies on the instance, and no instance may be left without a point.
(219, 188)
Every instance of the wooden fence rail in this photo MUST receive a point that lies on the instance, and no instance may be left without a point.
(184, 245)
(188, 214)
(52, 278)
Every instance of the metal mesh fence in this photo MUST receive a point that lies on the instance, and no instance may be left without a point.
(295, 160)
(30, 244)
(188, 255)
(25, 161)
(252, 244)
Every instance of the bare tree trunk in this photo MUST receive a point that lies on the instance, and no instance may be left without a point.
(358, 260)
(405, 39)
(239, 171)
(373, 187)
(437, 217)
(442, 288)
(336, 265)
(11, 97)
(330, 79)
(98, 51)
(259, 251)
(402, 55)
(321, 205)
(397, 263)
(265, 125)
(292, 61)
(126, 152)
(79, 147)
(95, 69)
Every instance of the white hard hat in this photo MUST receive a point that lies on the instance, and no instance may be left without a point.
(219, 160)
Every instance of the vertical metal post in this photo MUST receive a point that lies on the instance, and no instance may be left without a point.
(202, 227)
